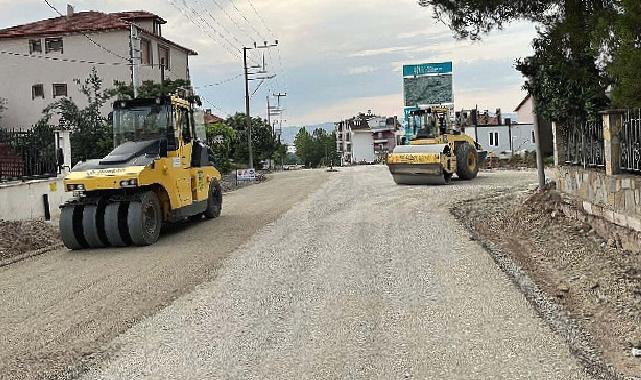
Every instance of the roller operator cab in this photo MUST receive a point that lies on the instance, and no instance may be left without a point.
(158, 173)
(437, 152)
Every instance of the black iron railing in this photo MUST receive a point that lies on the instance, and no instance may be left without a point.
(630, 142)
(585, 145)
(27, 154)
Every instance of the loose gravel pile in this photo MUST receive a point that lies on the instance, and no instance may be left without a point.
(596, 283)
(17, 238)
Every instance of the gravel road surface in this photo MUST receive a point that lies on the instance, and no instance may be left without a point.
(363, 279)
(59, 311)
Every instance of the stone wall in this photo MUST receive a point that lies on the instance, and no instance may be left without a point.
(615, 198)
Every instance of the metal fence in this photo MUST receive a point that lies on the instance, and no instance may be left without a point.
(585, 145)
(27, 154)
(630, 142)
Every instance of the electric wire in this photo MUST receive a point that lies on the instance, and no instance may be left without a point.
(232, 51)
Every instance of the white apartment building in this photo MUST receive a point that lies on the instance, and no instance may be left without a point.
(365, 138)
(43, 61)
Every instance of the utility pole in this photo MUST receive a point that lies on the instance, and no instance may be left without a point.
(280, 110)
(134, 43)
(248, 125)
(247, 97)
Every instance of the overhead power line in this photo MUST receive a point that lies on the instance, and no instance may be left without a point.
(251, 4)
(244, 17)
(212, 105)
(208, 24)
(213, 19)
(86, 36)
(221, 82)
(59, 59)
(240, 28)
(180, 9)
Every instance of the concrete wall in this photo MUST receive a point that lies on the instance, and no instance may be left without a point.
(616, 198)
(363, 146)
(19, 74)
(23, 201)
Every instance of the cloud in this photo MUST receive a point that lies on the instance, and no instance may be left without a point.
(382, 51)
(326, 48)
(381, 104)
(361, 70)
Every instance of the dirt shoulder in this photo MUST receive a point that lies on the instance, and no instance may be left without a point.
(60, 311)
(19, 238)
(588, 289)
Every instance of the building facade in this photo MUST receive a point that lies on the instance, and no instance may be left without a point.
(365, 138)
(46, 60)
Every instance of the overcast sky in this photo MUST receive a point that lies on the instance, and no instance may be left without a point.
(336, 58)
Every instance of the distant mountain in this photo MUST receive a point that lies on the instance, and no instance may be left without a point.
(289, 133)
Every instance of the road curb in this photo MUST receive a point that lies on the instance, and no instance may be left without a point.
(26, 255)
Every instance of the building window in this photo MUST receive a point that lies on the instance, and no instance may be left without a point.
(37, 91)
(494, 139)
(53, 45)
(59, 90)
(145, 52)
(163, 56)
(533, 138)
(35, 46)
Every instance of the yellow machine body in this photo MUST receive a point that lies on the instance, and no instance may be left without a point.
(160, 169)
(436, 154)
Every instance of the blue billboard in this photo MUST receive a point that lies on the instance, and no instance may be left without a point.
(427, 68)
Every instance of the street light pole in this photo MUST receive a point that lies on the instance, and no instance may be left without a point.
(248, 126)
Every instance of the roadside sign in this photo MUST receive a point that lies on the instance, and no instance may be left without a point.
(246, 175)
(427, 68)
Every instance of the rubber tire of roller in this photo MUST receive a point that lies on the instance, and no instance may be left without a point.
(140, 235)
(90, 227)
(463, 170)
(214, 201)
(67, 228)
(112, 227)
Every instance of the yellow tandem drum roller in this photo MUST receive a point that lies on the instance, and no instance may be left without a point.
(429, 164)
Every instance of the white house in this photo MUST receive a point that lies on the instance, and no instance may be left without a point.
(504, 139)
(44, 60)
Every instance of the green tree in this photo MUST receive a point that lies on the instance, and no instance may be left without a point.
(568, 81)
(151, 89)
(222, 149)
(316, 149)
(91, 134)
(622, 35)
(304, 146)
(264, 143)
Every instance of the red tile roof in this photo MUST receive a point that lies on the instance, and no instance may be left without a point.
(78, 22)
(84, 22)
(139, 15)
